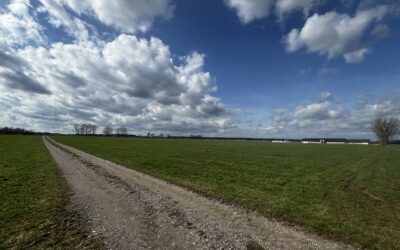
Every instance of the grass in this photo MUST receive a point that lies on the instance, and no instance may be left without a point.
(33, 199)
(348, 192)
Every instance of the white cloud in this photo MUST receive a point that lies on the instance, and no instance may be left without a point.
(315, 111)
(17, 26)
(128, 81)
(334, 34)
(327, 118)
(127, 15)
(288, 6)
(249, 11)
(356, 56)
(58, 16)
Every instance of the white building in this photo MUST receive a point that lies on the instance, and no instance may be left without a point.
(312, 141)
(280, 141)
(359, 141)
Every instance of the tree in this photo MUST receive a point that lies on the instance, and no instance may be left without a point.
(122, 131)
(77, 129)
(93, 129)
(107, 131)
(85, 129)
(15, 131)
(385, 129)
(82, 129)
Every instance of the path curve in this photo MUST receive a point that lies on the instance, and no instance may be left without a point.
(131, 210)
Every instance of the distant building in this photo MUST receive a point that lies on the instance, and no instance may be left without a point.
(285, 141)
(359, 141)
(312, 141)
(280, 141)
(293, 141)
(335, 141)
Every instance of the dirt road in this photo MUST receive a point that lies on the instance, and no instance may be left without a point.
(131, 210)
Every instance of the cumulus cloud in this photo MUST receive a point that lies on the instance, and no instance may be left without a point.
(357, 56)
(58, 16)
(288, 6)
(327, 118)
(12, 73)
(130, 81)
(19, 80)
(128, 15)
(127, 81)
(249, 11)
(333, 34)
(18, 26)
(315, 111)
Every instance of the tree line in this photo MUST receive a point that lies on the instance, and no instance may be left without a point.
(121, 131)
(90, 129)
(85, 129)
(15, 131)
(385, 130)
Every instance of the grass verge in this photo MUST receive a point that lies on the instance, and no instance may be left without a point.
(34, 197)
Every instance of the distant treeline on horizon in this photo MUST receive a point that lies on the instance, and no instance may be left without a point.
(22, 131)
(15, 131)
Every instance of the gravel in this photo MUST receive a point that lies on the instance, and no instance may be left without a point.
(131, 210)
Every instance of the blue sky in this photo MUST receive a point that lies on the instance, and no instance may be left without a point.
(253, 68)
(262, 68)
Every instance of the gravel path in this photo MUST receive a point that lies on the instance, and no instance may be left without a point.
(131, 210)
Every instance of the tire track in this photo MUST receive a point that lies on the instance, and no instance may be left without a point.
(131, 210)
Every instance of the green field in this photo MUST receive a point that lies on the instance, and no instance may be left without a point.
(33, 197)
(348, 192)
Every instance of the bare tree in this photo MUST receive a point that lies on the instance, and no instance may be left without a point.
(77, 129)
(122, 131)
(385, 129)
(85, 129)
(107, 131)
(15, 131)
(82, 129)
(93, 129)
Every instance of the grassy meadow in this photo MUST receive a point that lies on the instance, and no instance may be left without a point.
(33, 197)
(349, 192)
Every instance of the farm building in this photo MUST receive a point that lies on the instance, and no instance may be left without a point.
(280, 141)
(293, 141)
(335, 141)
(359, 141)
(312, 141)
(286, 141)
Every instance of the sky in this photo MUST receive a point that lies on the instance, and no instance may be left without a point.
(243, 68)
